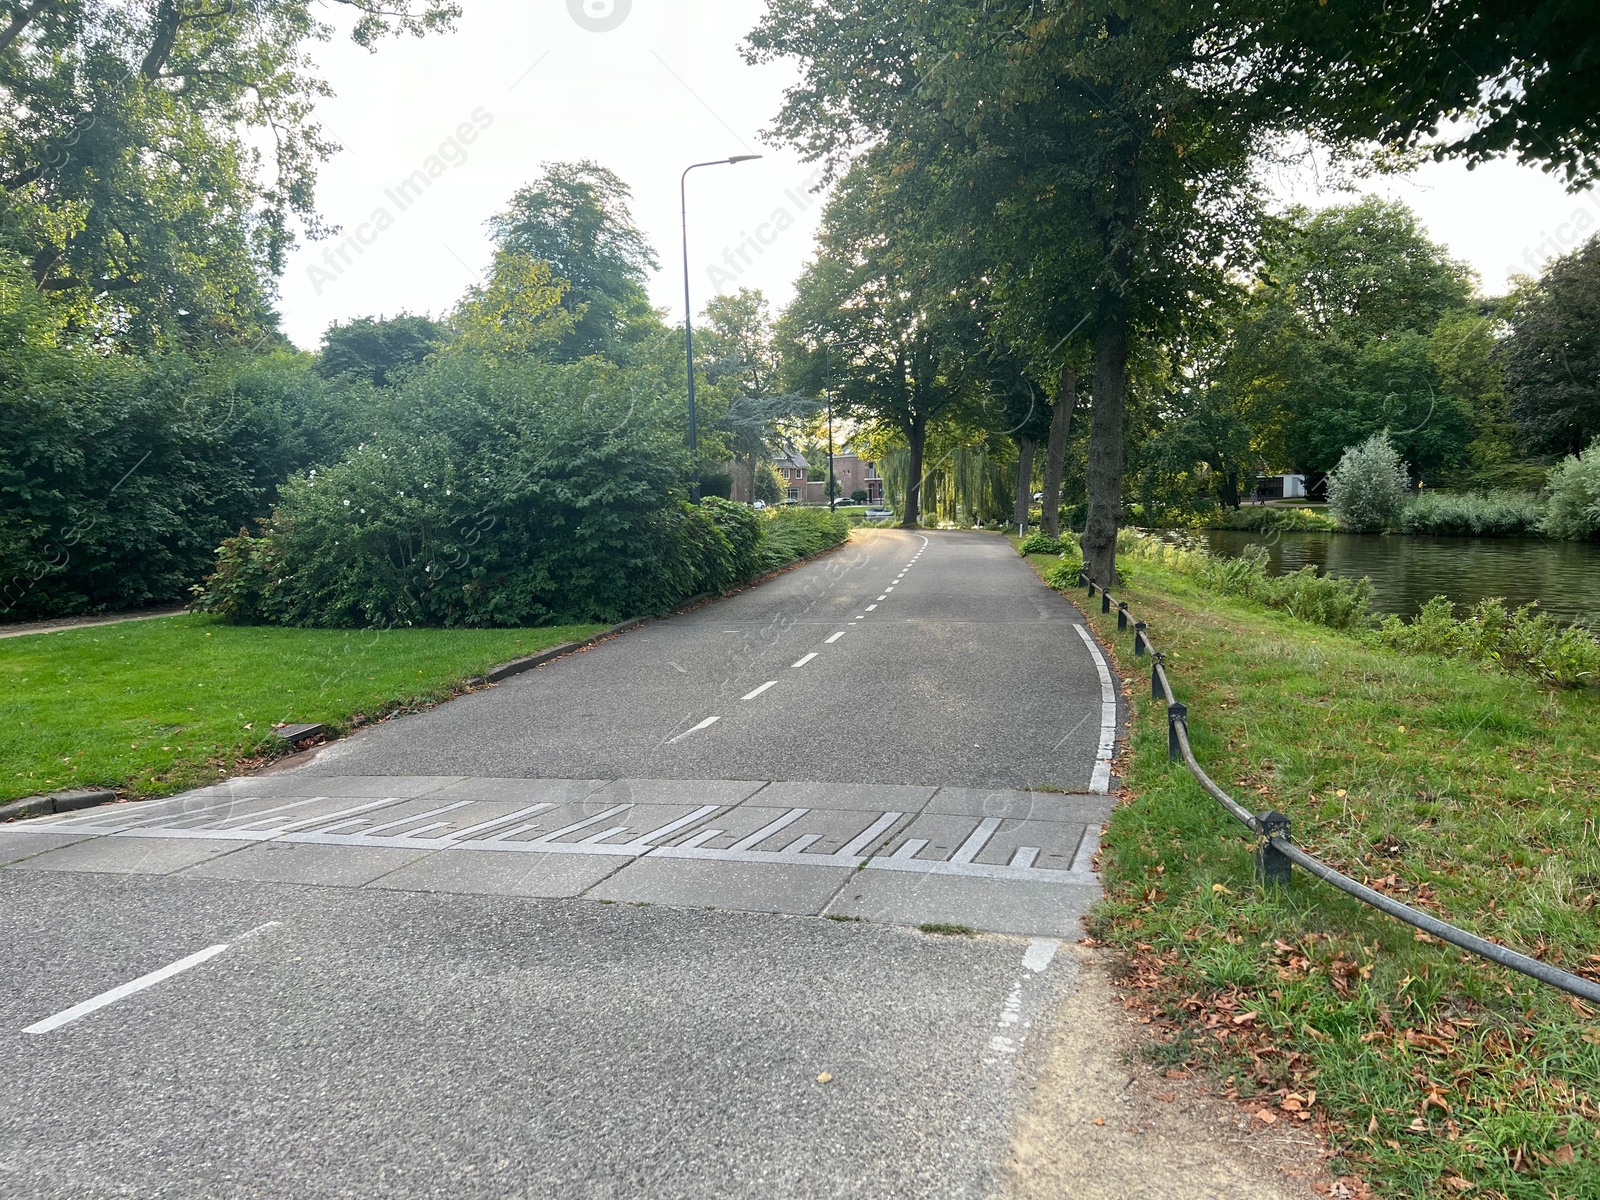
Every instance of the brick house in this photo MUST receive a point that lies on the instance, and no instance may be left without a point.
(854, 473)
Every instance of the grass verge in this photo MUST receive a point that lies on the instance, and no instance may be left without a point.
(157, 706)
(1466, 792)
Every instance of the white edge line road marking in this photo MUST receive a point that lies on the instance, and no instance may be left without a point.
(118, 993)
(1039, 953)
(759, 690)
(1100, 781)
(709, 721)
(834, 638)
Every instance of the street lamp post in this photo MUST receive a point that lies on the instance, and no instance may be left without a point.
(688, 312)
(827, 358)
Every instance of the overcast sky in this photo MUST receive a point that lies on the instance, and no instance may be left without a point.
(663, 88)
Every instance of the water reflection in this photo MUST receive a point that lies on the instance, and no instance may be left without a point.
(1408, 571)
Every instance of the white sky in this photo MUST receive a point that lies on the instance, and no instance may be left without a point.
(665, 88)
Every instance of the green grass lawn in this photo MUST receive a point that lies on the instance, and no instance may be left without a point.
(161, 705)
(1469, 793)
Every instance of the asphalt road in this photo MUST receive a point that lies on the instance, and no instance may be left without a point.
(371, 1032)
(966, 673)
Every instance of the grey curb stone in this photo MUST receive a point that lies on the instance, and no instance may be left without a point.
(55, 802)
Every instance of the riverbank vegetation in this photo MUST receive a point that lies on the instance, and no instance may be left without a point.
(1471, 794)
(154, 707)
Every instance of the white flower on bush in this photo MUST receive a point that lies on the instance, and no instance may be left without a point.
(1368, 487)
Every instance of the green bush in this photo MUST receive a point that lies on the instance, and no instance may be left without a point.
(1496, 514)
(1040, 542)
(1367, 488)
(497, 493)
(119, 474)
(1574, 509)
(1523, 640)
(795, 532)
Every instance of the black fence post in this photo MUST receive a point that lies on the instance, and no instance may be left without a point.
(1175, 713)
(1083, 576)
(1141, 646)
(1273, 865)
(1155, 677)
(1122, 615)
(1091, 587)
(1105, 602)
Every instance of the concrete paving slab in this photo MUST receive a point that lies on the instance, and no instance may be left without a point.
(993, 906)
(862, 797)
(327, 866)
(403, 786)
(689, 792)
(1036, 806)
(746, 887)
(990, 841)
(463, 872)
(762, 830)
(129, 856)
(525, 791)
(17, 844)
(603, 825)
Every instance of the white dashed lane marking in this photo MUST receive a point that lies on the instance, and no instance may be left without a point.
(834, 638)
(759, 690)
(805, 660)
(709, 721)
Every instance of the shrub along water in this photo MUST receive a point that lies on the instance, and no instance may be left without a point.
(1497, 514)
(1524, 641)
(1574, 511)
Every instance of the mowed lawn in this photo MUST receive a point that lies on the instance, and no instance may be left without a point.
(1468, 792)
(160, 705)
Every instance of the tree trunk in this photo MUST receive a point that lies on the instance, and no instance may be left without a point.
(1229, 489)
(1055, 462)
(1105, 444)
(917, 437)
(1025, 448)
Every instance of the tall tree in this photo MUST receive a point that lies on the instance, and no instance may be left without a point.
(130, 176)
(1552, 358)
(872, 307)
(379, 349)
(576, 218)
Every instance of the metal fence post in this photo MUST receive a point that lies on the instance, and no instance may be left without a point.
(1083, 576)
(1141, 646)
(1105, 602)
(1175, 713)
(1155, 676)
(1122, 616)
(1091, 587)
(1273, 865)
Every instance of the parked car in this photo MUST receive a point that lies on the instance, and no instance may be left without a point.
(759, 504)
(880, 514)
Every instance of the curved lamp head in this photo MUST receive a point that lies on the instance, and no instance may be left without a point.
(739, 158)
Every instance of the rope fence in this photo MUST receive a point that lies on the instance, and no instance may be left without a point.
(1276, 853)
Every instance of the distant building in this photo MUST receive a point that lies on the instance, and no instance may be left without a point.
(854, 473)
(1280, 487)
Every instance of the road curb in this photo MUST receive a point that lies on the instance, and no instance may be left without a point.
(56, 802)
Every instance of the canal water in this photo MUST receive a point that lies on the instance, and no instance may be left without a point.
(1409, 570)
